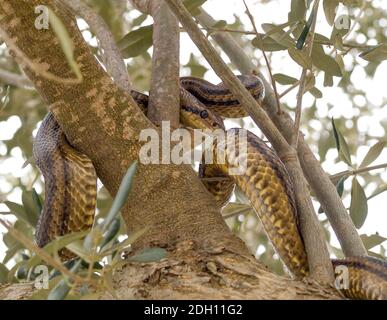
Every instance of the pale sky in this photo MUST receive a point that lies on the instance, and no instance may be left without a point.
(274, 12)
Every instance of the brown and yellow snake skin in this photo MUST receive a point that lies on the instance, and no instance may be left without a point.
(70, 184)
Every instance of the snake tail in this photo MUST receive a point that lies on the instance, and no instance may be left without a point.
(366, 277)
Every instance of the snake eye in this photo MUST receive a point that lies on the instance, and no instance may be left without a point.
(203, 114)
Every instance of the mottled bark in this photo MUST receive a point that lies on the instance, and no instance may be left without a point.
(164, 99)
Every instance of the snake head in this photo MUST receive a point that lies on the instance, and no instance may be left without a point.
(198, 116)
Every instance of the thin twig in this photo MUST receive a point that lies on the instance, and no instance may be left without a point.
(273, 83)
(301, 90)
(14, 79)
(357, 171)
(17, 235)
(292, 87)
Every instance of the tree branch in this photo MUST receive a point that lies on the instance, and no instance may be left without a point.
(14, 79)
(264, 56)
(318, 179)
(319, 263)
(301, 89)
(111, 55)
(164, 97)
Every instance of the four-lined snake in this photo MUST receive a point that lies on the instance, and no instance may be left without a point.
(70, 183)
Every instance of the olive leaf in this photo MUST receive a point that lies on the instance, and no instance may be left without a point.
(297, 10)
(267, 44)
(341, 145)
(149, 255)
(193, 6)
(325, 62)
(358, 208)
(278, 34)
(61, 290)
(330, 7)
(20, 212)
(375, 54)
(378, 191)
(284, 79)
(301, 40)
(197, 70)
(301, 57)
(372, 240)
(3, 274)
(136, 42)
(373, 153)
(121, 196)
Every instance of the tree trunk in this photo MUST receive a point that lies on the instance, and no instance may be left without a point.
(205, 260)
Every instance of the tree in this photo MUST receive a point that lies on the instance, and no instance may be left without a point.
(181, 245)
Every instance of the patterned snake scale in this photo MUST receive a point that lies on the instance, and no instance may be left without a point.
(70, 183)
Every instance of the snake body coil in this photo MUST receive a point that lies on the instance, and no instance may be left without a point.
(70, 183)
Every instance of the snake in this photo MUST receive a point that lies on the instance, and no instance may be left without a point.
(71, 183)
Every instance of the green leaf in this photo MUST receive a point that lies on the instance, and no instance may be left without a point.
(316, 93)
(340, 62)
(284, 79)
(310, 81)
(11, 252)
(277, 34)
(319, 39)
(301, 40)
(376, 54)
(372, 240)
(330, 7)
(111, 232)
(328, 80)
(149, 255)
(340, 185)
(65, 42)
(3, 274)
(136, 42)
(301, 57)
(30, 207)
(297, 10)
(61, 290)
(359, 208)
(378, 191)
(57, 244)
(373, 153)
(219, 24)
(197, 70)
(121, 196)
(267, 44)
(20, 212)
(325, 62)
(37, 201)
(341, 145)
(124, 244)
(193, 6)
